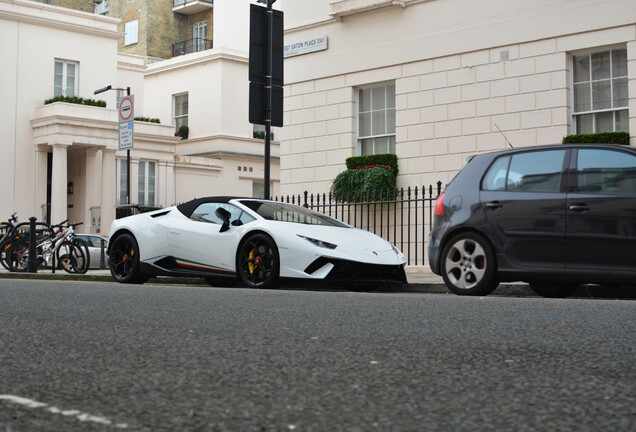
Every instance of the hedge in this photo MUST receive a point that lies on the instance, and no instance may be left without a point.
(364, 184)
(148, 120)
(598, 138)
(76, 100)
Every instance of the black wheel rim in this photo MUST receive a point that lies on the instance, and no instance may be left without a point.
(257, 261)
(121, 257)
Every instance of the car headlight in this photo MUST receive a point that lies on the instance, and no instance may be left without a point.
(319, 243)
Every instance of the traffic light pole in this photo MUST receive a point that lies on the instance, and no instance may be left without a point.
(268, 97)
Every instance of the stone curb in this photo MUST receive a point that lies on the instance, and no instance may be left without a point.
(504, 290)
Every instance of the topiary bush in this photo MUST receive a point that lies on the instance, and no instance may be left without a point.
(598, 138)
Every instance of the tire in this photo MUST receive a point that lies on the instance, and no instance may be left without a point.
(257, 261)
(554, 289)
(124, 260)
(468, 265)
(74, 257)
(5, 254)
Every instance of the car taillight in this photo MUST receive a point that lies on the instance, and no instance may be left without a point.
(439, 206)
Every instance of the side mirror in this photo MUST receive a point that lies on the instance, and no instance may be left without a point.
(225, 216)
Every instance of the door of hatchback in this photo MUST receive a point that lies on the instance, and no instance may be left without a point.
(524, 200)
(601, 222)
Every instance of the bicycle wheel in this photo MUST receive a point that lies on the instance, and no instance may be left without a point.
(73, 257)
(17, 255)
(4, 258)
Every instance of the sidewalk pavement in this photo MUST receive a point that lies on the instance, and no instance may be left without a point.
(420, 280)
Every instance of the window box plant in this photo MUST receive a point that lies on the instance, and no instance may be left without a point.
(183, 132)
(367, 178)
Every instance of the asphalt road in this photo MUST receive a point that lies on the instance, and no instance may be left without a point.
(101, 356)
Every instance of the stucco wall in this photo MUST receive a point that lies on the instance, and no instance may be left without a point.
(34, 35)
(461, 69)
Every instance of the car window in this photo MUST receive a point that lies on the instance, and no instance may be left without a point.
(537, 171)
(95, 241)
(206, 212)
(92, 241)
(606, 172)
(291, 213)
(495, 178)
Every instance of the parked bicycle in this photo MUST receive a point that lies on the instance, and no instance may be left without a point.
(54, 245)
(7, 229)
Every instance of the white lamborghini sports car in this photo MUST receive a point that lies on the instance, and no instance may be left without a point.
(229, 240)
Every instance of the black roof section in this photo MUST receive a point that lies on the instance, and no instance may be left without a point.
(187, 208)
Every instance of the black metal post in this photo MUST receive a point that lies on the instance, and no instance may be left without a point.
(268, 96)
(102, 257)
(128, 164)
(32, 263)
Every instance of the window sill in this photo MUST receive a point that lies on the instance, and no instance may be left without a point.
(341, 8)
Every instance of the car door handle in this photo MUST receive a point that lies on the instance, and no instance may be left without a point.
(579, 208)
(494, 205)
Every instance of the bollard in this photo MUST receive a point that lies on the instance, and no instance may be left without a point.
(32, 263)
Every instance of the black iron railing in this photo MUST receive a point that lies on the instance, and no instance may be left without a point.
(176, 3)
(190, 46)
(403, 217)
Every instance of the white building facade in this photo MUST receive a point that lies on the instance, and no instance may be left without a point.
(61, 160)
(435, 81)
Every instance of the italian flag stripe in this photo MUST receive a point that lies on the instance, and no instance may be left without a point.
(192, 264)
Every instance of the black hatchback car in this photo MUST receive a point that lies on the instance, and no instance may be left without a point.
(554, 216)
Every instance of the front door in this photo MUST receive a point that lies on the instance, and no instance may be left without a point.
(198, 243)
(602, 211)
(523, 199)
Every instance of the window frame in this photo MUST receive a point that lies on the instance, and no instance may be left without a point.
(575, 115)
(121, 181)
(177, 119)
(199, 33)
(131, 30)
(147, 183)
(63, 88)
(389, 134)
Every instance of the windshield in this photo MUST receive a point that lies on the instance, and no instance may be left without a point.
(291, 213)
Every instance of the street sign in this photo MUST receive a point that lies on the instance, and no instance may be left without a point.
(258, 45)
(126, 135)
(259, 56)
(125, 108)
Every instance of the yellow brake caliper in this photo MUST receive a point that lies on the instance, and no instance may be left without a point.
(250, 263)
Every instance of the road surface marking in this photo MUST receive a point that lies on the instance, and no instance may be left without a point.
(30, 403)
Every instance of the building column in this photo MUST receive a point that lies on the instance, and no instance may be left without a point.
(59, 202)
(93, 197)
(41, 169)
(108, 183)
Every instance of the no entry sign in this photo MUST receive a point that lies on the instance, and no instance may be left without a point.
(126, 122)
(126, 110)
